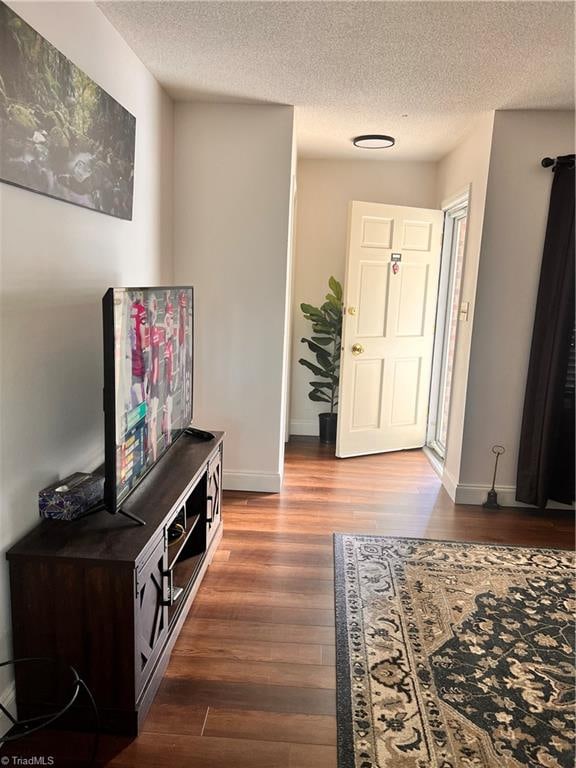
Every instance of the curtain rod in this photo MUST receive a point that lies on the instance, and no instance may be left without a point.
(553, 162)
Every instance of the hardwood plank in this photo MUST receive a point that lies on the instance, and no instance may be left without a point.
(266, 598)
(182, 693)
(164, 717)
(312, 756)
(228, 610)
(255, 538)
(329, 654)
(206, 646)
(273, 570)
(246, 724)
(157, 750)
(268, 582)
(263, 672)
(274, 633)
(221, 556)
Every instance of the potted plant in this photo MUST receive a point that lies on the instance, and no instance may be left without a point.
(325, 344)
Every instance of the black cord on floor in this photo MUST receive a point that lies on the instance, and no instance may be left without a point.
(26, 725)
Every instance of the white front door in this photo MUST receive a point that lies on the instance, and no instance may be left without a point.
(390, 296)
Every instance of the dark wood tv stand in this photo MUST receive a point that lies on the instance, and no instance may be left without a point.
(97, 593)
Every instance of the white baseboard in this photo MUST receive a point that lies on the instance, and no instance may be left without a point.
(476, 494)
(304, 427)
(8, 700)
(246, 480)
(450, 485)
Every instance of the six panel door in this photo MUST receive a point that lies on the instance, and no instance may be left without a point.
(390, 299)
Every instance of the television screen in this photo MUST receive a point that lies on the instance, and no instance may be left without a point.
(148, 354)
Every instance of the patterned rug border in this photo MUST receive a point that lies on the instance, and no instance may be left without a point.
(344, 735)
(341, 535)
(345, 741)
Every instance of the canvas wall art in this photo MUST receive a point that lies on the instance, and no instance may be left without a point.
(61, 134)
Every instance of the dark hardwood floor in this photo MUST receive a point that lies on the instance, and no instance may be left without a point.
(251, 680)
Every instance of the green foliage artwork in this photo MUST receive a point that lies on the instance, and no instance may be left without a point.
(60, 133)
(325, 344)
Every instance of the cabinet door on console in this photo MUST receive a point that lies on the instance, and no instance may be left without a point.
(151, 612)
(214, 495)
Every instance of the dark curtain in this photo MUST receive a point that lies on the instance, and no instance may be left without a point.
(546, 455)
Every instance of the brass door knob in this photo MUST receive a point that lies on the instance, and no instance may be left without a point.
(357, 349)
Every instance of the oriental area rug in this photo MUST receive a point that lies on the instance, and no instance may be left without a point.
(452, 655)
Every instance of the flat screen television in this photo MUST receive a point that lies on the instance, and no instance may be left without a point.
(148, 373)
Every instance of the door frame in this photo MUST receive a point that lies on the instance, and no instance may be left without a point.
(456, 208)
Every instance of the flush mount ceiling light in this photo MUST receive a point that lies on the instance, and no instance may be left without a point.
(374, 141)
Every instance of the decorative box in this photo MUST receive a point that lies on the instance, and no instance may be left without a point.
(72, 497)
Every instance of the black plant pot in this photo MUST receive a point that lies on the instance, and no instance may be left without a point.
(328, 427)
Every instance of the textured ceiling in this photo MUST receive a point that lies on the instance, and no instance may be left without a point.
(420, 71)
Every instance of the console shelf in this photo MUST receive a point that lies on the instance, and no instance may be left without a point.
(176, 547)
(99, 592)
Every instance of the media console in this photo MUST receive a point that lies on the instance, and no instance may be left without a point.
(109, 597)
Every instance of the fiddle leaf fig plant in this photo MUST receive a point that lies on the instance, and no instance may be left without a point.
(325, 344)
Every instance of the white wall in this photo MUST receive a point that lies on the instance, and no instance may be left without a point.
(325, 187)
(291, 268)
(512, 242)
(56, 262)
(232, 214)
(466, 166)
